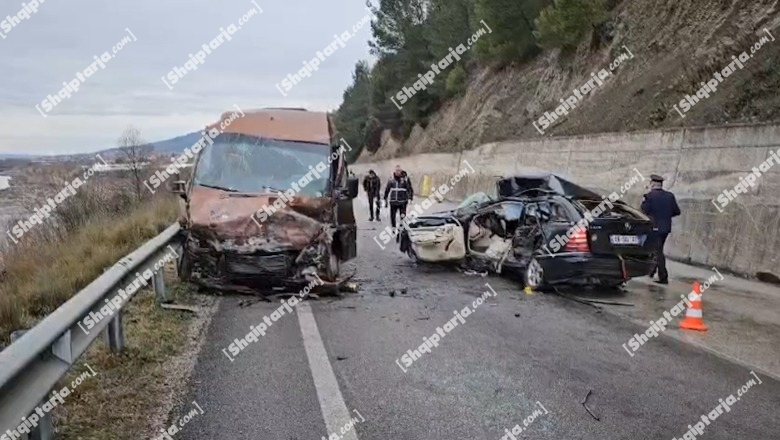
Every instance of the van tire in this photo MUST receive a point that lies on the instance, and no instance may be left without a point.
(333, 268)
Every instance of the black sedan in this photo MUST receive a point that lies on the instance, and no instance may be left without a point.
(542, 228)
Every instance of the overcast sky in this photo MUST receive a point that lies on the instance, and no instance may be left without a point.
(62, 38)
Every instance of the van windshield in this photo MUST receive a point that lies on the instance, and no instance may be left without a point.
(251, 164)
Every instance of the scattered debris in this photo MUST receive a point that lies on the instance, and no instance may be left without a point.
(768, 277)
(395, 292)
(181, 307)
(601, 301)
(350, 287)
(586, 406)
(474, 272)
(528, 290)
(252, 301)
(247, 303)
(594, 301)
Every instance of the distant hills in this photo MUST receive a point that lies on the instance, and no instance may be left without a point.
(4, 156)
(169, 146)
(177, 144)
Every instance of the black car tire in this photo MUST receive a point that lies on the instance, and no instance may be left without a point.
(533, 275)
(412, 255)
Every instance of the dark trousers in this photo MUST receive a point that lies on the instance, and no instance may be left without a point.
(400, 208)
(373, 200)
(660, 259)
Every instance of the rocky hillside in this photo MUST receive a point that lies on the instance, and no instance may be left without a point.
(676, 45)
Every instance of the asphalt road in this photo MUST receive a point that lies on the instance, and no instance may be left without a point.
(515, 354)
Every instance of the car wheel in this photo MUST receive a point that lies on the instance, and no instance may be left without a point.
(534, 275)
(412, 255)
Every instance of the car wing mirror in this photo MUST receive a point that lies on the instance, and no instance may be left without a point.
(180, 187)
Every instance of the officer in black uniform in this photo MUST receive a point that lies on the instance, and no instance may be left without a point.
(660, 205)
(400, 192)
(372, 184)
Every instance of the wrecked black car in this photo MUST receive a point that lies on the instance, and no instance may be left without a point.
(541, 228)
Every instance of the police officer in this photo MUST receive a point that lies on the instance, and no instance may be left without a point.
(660, 205)
(400, 193)
(372, 185)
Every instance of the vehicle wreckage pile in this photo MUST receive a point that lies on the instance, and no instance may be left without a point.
(509, 233)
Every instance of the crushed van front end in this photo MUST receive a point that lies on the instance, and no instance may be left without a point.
(227, 248)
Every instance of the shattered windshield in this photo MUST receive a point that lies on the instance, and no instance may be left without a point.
(241, 163)
(472, 201)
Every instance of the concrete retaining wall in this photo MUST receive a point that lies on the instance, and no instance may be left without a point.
(698, 163)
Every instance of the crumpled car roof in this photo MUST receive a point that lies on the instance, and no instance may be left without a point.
(512, 186)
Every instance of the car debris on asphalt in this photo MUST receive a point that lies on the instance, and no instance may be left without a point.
(586, 406)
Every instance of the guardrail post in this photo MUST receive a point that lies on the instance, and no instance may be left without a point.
(159, 287)
(115, 334)
(45, 428)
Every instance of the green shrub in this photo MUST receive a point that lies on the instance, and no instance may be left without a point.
(563, 24)
(456, 81)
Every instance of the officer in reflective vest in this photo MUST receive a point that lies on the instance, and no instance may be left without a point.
(398, 193)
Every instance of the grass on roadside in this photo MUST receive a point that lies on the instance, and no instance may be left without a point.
(128, 388)
(42, 277)
(90, 232)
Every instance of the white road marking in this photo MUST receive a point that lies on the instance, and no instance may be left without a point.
(334, 410)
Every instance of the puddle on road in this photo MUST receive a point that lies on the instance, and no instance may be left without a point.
(690, 281)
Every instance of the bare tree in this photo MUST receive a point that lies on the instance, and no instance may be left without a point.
(136, 152)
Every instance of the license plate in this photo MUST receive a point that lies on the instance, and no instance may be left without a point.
(624, 239)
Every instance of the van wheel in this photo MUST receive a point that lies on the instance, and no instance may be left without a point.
(332, 270)
(534, 275)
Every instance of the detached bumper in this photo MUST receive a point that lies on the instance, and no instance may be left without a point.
(584, 266)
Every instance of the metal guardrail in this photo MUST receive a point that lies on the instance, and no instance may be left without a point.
(34, 363)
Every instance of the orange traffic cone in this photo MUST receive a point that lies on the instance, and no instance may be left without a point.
(693, 315)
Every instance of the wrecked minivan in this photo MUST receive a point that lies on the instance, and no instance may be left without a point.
(511, 234)
(268, 204)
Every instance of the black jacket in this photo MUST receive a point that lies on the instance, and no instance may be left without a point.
(399, 190)
(661, 205)
(372, 185)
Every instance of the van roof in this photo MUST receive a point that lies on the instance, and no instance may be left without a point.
(281, 124)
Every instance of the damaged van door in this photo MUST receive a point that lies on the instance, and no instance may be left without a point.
(345, 190)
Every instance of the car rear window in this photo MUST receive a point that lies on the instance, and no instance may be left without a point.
(617, 210)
